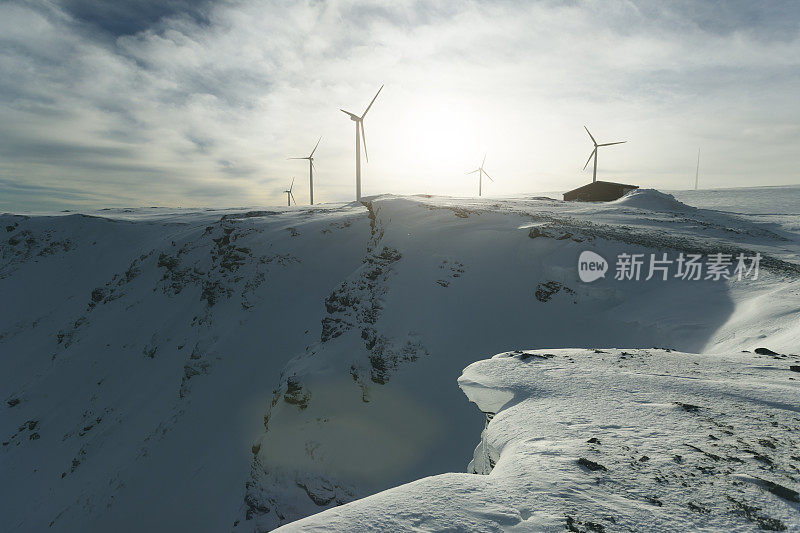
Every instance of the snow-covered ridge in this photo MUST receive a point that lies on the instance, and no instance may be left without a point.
(612, 440)
(245, 368)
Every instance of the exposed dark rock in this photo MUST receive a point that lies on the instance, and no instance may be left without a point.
(194, 367)
(710, 455)
(591, 465)
(212, 291)
(572, 525)
(765, 351)
(697, 508)
(536, 232)
(249, 214)
(751, 513)
(97, 295)
(332, 327)
(168, 262)
(689, 408)
(767, 443)
(295, 394)
(254, 507)
(545, 291)
(526, 355)
(758, 456)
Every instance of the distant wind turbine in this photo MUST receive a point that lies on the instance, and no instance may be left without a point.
(289, 195)
(594, 153)
(359, 120)
(481, 173)
(697, 170)
(310, 171)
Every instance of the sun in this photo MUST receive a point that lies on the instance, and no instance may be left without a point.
(438, 138)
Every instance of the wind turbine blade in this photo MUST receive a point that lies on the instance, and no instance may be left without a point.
(354, 117)
(590, 135)
(487, 175)
(474, 171)
(291, 186)
(372, 102)
(292, 195)
(364, 138)
(296, 158)
(590, 158)
(610, 144)
(315, 147)
(484, 160)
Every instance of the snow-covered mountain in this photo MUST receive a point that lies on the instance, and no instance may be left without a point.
(240, 369)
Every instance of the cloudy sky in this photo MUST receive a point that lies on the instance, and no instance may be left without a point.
(199, 103)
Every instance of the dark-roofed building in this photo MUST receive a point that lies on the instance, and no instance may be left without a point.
(599, 191)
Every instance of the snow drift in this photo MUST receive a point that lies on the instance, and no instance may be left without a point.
(651, 199)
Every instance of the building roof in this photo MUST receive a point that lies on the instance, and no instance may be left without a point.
(600, 183)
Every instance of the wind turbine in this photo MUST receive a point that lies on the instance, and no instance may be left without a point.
(594, 153)
(289, 195)
(697, 171)
(481, 173)
(310, 171)
(359, 120)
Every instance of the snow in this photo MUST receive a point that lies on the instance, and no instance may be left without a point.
(624, 440)
(245, 368)
(651, 199)
(780, 200)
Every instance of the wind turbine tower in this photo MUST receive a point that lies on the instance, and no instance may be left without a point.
(359, 120)
(697, 170)
(594, 153)
(310, 171)
(481, 173)
(289, 195)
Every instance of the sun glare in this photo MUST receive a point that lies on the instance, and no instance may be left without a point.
(438, 142)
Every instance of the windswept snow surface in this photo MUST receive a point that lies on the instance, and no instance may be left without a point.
(611, 440)
(207, 370)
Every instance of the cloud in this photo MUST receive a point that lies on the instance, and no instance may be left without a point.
(132, 16)
(186, 102)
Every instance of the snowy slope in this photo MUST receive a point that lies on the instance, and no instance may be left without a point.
(142, 353)
(245, 368)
